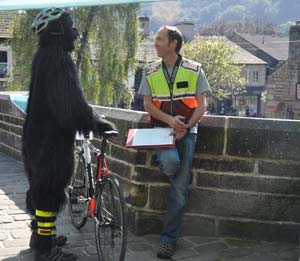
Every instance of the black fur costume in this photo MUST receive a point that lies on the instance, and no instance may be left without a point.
(56, 110)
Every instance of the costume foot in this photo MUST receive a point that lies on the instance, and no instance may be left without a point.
(166, 250)
(57, 240)
(55, 254)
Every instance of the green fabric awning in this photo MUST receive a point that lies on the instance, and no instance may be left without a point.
(40, 4)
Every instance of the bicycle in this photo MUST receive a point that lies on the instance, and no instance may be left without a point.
(99, 197)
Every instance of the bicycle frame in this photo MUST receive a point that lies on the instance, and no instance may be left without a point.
(98, 196)
(102, 169)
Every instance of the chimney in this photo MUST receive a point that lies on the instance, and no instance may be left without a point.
(294, 46)
(144, 25)
(187, 29)
(294, 57)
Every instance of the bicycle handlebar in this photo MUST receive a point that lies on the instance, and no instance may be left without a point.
(108, 134)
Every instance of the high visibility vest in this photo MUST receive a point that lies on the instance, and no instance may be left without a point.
(184, 89)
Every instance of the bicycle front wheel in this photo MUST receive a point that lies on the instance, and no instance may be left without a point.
(110, 220)
(77, 192)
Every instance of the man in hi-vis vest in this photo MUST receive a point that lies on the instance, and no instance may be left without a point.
(174, 91)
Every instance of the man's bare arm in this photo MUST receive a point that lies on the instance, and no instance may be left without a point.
(199, 111)
(195, 118)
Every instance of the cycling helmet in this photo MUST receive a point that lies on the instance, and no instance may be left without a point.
(41, 21)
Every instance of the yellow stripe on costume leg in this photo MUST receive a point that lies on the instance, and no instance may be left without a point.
(46, 224)
(41, 213)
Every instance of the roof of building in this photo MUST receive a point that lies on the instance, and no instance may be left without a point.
(241, 56)
(146, 52)
(5, 23)
(275, 46)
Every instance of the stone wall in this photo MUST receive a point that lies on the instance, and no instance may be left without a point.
(245, 175)
(11, 122)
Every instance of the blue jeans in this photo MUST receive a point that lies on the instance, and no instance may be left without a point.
(176, 163)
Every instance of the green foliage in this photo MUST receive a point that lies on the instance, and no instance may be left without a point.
(23, 45)
(104, 55)
(216, 57)
(107, 50)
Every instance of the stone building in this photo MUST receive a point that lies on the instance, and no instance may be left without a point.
(283, 87)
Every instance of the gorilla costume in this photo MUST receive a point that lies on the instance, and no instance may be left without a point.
(56, 110)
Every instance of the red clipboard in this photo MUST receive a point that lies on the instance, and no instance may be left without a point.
(150, 138)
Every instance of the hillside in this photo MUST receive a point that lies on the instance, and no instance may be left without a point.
(281, 12)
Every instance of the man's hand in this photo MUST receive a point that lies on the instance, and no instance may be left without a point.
(177, 123)
(179, 134)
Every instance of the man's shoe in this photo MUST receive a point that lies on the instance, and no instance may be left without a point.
(55, 254)
(166, 250)
(57, 240)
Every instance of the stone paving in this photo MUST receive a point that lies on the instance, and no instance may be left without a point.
(14, 233)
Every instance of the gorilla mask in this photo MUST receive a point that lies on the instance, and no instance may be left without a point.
(55, 29)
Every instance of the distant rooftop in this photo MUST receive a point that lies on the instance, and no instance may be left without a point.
(5, 22)
(277, 47)
(242, 56)
(146, 51)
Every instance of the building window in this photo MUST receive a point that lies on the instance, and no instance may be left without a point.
(255, 76)
(5, 63)
(248, 76)
(251, 76)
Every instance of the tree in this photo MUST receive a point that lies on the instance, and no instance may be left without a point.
(107, 50)
(216, 57)
(104, 56)
(23, 47)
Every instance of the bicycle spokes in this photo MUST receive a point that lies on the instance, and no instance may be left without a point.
(111, 224)
(77, 192)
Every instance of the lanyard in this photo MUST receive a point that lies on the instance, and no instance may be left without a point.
(171, 79)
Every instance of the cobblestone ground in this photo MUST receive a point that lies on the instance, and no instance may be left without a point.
(14, 233)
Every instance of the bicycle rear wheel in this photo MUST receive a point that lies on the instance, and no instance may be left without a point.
(110, 221)
(77, 192)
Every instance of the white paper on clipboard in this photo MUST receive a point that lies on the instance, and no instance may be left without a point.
(150, 138)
